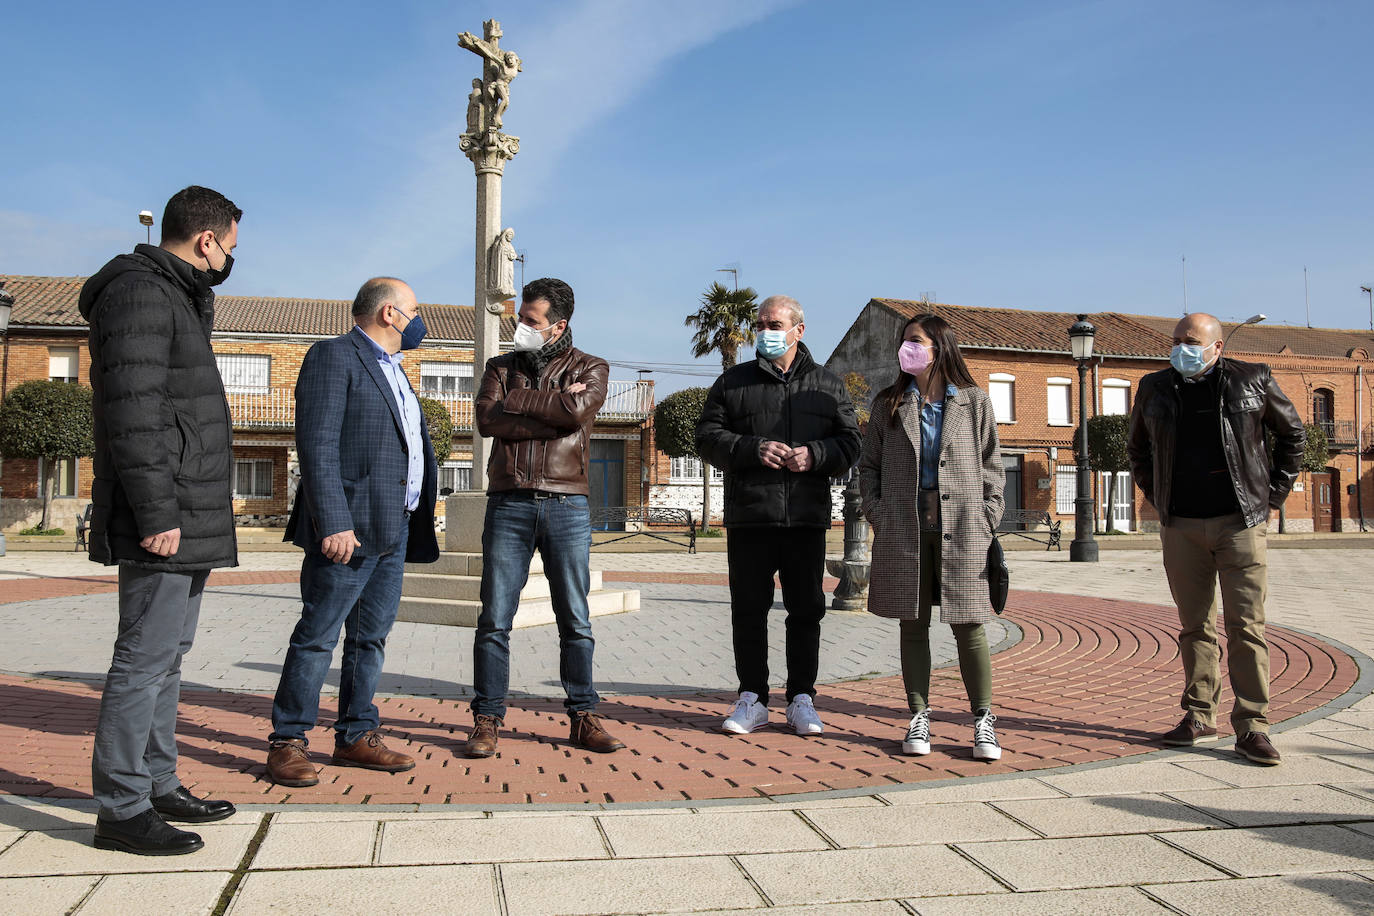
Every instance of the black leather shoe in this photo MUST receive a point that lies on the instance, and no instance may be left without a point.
(180, 805)
(145, 834)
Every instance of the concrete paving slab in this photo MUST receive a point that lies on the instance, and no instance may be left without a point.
(1112, 861)
(70, 852)
(867, 908)
(1320, 893)
(710, 833)
(1366, 828)
(1259, 851)
(1349, 741)
(1294, 770)
(865, 874)
(625, 886)
(369, 891)
(50, 896)
(32, 816)
(317, 845)
(338, 814)
(1269, 805)
(490, 840)
(909, 825)
(802, 803)
(1132, 779)
(185, 894)
(973, 790)
(1118, 901)
(1108, 814)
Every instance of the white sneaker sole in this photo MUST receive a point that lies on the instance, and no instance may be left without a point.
(730, 727)
(983, 752)
(916, 748)
(805, 730)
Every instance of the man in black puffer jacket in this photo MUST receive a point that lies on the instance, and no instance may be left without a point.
(163, 508)
(780, 427)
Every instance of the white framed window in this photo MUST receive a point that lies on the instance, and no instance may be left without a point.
(244, 372)
(1057, 404)
(1065, 488)
(65, 482)
(1002, 390)
(689, 468)
(455, 476)
(252, 478)
(1116, 396)
(62, 363)
(439, 379)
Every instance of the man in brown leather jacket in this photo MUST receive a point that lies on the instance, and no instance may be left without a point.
(538, 403)
(1198, 453)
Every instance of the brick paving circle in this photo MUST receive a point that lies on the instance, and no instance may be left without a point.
(1091, 680)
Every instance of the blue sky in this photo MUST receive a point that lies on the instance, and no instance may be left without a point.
(1056, 155)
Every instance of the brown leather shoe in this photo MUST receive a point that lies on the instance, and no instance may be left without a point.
(370, 753)
(482, 739)
(288, 764)
(1189, 732)
(1256, 748)
(588, 734)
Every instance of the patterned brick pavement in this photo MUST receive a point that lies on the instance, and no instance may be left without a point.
(1092, 680)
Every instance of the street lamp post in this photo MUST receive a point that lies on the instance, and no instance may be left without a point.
(1083, 548)
(1370, 293)
(6, 306)
(145, 217)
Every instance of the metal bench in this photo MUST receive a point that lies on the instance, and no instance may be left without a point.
(640, 520)
(1018, 521)
(83, 525)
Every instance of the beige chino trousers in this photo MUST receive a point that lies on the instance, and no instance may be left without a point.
(1197, 553)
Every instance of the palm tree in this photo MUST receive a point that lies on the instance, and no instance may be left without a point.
(724, 323)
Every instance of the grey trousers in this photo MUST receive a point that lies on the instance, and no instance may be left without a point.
(135, 754)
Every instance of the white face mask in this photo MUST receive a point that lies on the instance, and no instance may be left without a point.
(528, 338)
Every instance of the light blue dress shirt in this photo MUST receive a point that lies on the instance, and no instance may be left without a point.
(411, 418)
(932, 424)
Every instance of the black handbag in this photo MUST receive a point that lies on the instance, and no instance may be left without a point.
(999, 577)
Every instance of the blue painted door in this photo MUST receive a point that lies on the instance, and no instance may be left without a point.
(606, 477)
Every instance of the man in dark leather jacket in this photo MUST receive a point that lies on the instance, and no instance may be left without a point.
(539, 404)
(781, 426)
(1197, 450)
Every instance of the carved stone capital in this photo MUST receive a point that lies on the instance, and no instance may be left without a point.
(489, 150)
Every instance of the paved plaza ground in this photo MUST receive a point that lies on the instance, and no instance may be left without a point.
(1084, 813)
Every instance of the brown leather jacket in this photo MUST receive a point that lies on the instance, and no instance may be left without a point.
(541, 430)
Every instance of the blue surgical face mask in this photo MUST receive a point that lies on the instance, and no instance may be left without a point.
(771, 344)
(413, 333)
(1189, 359)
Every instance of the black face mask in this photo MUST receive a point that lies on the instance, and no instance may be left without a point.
(219, 276)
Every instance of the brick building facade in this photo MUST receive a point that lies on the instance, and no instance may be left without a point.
(1022, 359)
(259, 344)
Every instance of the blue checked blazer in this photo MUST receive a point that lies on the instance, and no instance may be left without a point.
(352, 449)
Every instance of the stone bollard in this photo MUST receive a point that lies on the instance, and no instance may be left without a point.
(853, 570)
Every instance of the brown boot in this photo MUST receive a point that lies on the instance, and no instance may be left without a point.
(288, 764)
(482, 738)
(588, 734)
(370, 753)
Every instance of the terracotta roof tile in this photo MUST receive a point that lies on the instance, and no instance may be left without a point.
(51, 301)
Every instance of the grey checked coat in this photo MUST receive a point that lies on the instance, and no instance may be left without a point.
(971, 480)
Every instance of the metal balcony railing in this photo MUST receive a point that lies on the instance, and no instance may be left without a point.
(1339, 432)
(275, 408)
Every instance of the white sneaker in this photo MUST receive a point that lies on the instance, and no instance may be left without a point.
(801, 715)
(985, 746)
(746, 715)
(917, 739)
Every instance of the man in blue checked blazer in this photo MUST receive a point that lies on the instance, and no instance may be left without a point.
(364, 507)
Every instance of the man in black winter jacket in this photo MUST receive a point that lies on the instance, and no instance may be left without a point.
(780, 426)
(162, 502)
(1197, 449)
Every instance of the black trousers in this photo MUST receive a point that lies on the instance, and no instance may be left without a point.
(797, 556)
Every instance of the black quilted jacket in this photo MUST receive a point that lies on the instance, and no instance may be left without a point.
(162, 430)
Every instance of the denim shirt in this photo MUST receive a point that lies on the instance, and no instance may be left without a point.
(411, 419)
(932, 423)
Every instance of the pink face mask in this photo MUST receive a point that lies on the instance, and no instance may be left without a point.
(914, 358)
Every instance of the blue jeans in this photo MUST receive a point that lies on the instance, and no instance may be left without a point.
(362, 598)
(517, 522)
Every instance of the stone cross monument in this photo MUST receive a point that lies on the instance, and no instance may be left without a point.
(488, 149)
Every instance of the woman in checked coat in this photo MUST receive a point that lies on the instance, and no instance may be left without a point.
(931, 477)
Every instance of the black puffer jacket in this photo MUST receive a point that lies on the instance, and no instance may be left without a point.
(162, 430)
(750, 403)
(1251, 402)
